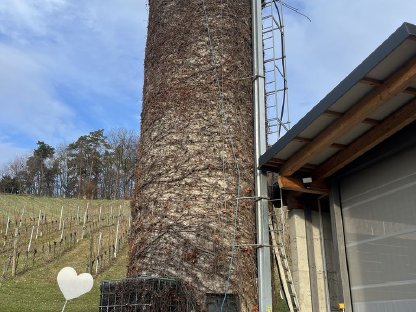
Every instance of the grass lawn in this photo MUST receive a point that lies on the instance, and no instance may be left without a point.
(37, 290)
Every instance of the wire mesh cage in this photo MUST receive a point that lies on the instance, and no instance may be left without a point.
(144, 294)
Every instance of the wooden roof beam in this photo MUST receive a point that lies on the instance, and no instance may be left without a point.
(276, 162)
(389, 126)
(376, 82)
(307, 140)
(391, 87)
(369, 121)
(293, 184)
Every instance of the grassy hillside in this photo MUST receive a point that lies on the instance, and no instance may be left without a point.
(34, 288)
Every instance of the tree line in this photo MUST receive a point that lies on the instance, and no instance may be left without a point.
(94, 166)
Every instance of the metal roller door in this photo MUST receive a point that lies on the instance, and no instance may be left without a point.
(379, 215)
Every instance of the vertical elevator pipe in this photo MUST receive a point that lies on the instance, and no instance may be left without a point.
(263, 251)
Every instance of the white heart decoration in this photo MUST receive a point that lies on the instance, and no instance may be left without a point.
(73, 285)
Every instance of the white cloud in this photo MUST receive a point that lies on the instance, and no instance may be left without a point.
(67, 66)
(9, 152)
(29, 104)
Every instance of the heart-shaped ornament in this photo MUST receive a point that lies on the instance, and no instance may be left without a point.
(73, 285)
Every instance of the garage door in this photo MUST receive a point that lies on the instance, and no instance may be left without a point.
(379, 213)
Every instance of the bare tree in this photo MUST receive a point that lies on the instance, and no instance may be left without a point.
(92, 166)
(123, 145)
(17, 169)
(195, 153)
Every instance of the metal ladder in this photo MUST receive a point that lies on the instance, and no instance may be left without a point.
(276, 87)
(276, 232)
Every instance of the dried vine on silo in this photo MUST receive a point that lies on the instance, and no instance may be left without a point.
(186, 179)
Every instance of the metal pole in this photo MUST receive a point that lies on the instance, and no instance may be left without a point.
(263, 252)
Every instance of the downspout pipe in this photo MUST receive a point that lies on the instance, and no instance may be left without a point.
(264, 282)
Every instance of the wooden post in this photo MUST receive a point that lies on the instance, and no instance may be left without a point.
(37, 229)
(78, 215)
(85, 221)
(30, 240)
(99, 216)
(111, 214)
(7, 230)
(21, 217)
(28, 247)
(7, 226)
(90, 253)
(14, 256)
(97, 267)
(60, 218)
(116, 238)
(62, 233)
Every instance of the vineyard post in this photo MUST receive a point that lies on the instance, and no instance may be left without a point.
(30, 240)
(28, 247)
(116, 239)
(62, 233)
(98, 252)
(60, 218)
(7, 226)
(7, 230)
(14, 257)
(99, 216)
(21, 217)
(37, 229)
(85, 221)
(90, 253)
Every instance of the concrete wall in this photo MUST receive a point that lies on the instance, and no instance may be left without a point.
(299, 258)
(308, 264)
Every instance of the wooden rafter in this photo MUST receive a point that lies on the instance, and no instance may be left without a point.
(307, 140)
(369, 121)
(396, 121)
(391, 87)
(376, 82)
(277, 163)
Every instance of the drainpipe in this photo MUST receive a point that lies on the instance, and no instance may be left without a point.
(262, 211)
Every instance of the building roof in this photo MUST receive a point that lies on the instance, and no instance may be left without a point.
(373, 102)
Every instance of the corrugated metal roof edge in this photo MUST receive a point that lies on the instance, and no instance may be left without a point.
(391, 43)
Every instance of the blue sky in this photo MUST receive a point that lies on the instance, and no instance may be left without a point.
(68, 67)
